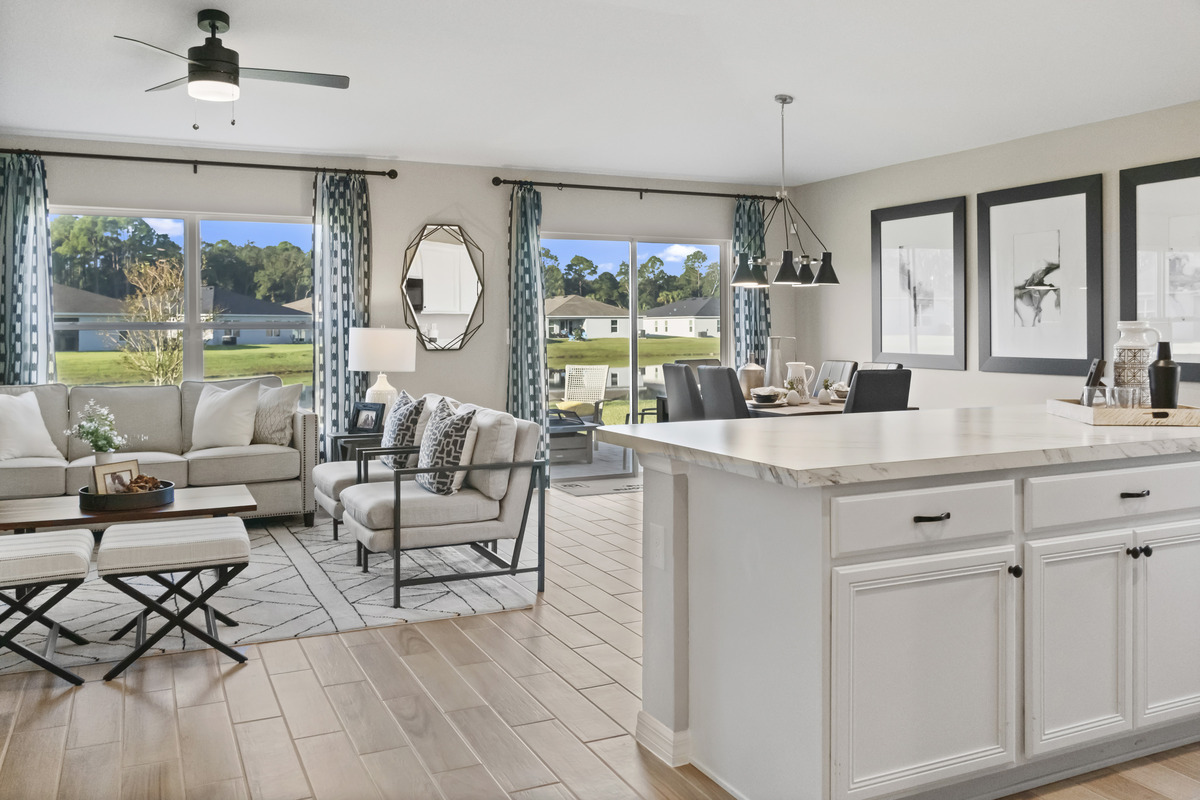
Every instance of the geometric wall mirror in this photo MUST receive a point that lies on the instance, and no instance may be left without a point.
(443, 287)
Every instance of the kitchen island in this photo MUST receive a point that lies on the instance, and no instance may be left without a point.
(952, 603)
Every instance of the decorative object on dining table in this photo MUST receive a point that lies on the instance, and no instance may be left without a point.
(780, 349)
(799, 378)
(751, 376)
(766, 395)
(366, 418)
(382, 350)
(1040, 277)
(840, 390)
(1164, 379)
(793, 398)
(1132, 355)
(825, 397)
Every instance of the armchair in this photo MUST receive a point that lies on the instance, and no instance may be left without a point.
(400, 515)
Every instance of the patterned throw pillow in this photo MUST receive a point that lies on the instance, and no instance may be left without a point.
(400, 428)
(448, 441)
(273, 418)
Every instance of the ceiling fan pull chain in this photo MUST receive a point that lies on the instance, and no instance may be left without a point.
(195, 116)
(233, 113)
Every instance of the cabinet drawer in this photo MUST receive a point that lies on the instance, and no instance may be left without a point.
(894, 519)
(1111, 495)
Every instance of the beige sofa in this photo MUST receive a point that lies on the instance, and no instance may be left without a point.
(158, 420)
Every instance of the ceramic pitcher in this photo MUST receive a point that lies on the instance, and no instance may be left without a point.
(803, 374)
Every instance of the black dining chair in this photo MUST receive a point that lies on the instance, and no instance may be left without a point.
(683, 393)
(696, 363)
(721, 393)
(834, 372)
(879, 390)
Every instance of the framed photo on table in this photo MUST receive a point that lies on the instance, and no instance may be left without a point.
(366, 418)
(116, 477)
(1160, 255)
(1040, 277)
(918, 284)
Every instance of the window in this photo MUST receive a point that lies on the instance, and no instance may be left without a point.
(612, 328)
(130, 307)
(691, 326)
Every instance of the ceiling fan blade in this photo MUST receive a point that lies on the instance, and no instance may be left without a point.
(169, 84)
(288, 76)
(155, 47)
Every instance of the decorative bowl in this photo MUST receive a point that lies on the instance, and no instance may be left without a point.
(766, 395)
(89, 501)
(841, 393)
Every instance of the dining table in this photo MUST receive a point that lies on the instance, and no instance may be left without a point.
(811, 408)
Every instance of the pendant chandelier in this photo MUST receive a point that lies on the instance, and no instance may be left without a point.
(754, 275)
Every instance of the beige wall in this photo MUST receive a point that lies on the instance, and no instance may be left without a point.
(423, 193)
(835, 322)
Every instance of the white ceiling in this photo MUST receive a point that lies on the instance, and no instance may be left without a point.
(652, 88)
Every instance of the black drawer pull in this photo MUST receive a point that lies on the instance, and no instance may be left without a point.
(938, 518)
(1131, 495)
(1016, 571)
(1135, 552)
(1147, 550)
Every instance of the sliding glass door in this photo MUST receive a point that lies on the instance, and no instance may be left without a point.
(602, 314)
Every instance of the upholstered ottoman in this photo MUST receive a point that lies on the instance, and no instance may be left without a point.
(162, 550)
(31, 563)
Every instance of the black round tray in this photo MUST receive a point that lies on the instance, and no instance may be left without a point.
(125, 502)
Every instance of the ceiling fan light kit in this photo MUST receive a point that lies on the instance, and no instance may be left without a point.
(215, 73)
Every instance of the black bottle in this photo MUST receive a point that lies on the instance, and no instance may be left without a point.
(1164, 379)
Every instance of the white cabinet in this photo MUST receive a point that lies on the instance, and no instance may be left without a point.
(1078, 640)
(1167, 629)
(924, 670)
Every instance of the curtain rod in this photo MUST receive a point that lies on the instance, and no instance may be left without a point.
(498, 181)
(195, 164)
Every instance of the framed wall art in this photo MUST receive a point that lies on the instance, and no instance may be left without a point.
(1160, 255)
(918, 284)
(1040, 277)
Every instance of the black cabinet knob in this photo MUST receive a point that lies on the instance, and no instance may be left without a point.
(1016, 571)
(938, 518)
(1147, 550)
(1131, 495)
(1135, 552)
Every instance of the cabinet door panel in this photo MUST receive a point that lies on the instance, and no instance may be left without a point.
(1167, 637)
(1078, 640)
(924, 670)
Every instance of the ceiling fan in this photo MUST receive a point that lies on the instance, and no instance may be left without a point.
(213, 70)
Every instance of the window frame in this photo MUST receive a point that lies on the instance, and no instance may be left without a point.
(193, 327)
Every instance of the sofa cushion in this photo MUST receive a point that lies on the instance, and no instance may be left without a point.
(225, 417)
(52, 402)
(252, 463)
(496, 436)
(332, 478)
(273, 417)
(164, 466)
(189, 392)
(148, 415)
(448, 442)
(33, 477)
(370, 504)
(23, 431)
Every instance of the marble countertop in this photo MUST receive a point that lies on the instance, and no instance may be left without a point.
(832, 450)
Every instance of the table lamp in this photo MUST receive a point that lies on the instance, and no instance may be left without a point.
(383, 350)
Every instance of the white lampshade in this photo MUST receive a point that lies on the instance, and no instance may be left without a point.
(383, 349)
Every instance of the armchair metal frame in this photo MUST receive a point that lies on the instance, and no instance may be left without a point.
(488, 548)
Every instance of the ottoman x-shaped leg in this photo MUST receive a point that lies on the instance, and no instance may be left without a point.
(225, 573)
(173, 588)
(26, 596)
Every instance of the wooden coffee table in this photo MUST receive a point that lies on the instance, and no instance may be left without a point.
(26, 515)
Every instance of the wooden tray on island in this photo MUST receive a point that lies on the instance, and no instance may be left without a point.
(1184, 416)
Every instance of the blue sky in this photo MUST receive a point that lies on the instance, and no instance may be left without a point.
(608, 255)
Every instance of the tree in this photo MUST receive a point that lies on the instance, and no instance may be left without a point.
(650, 279)
(578, 270)
(552, 277)
(692, 277)
(92, 252)
(230, 266)
(157, 296)
(285, 275)
(607, 289)
(711, 285)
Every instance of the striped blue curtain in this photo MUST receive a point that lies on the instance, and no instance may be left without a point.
(751, 307)
(26, 313)
(341, 288)
(526, 306)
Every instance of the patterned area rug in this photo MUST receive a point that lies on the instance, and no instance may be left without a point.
(602, 486)
(300, 582)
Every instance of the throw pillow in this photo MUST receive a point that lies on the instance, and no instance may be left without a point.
(225, 417)
(448, 442)
(273, 417)
(23, 432)
(400, 428)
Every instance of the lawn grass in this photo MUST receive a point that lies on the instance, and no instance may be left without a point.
(291, 362)
(615, 352)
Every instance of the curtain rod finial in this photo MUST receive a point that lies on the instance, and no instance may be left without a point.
(496, 181)
(392, 174)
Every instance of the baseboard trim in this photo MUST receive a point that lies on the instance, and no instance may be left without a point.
(674, 748)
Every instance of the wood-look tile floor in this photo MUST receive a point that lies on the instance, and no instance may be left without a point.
(529, 705)
(537, 704)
